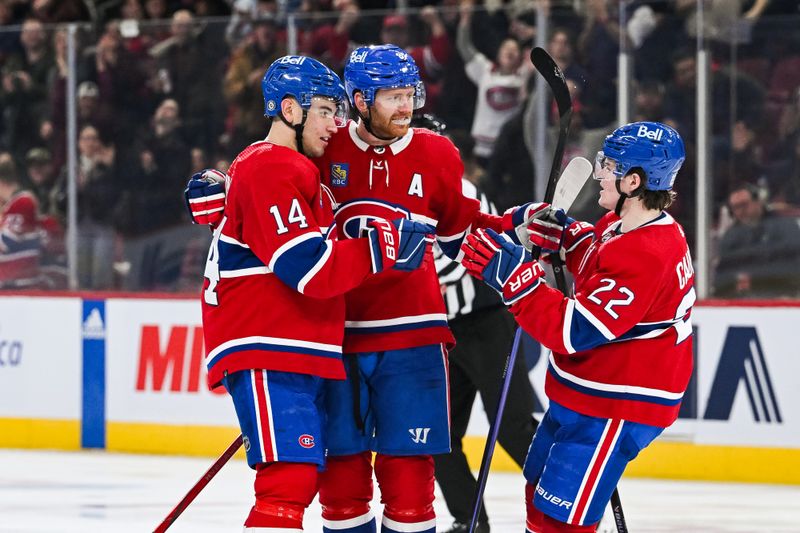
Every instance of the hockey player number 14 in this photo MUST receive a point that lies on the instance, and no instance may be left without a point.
(296, 216)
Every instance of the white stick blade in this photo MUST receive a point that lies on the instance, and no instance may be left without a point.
(571, 182)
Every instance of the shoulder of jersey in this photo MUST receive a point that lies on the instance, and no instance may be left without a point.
(433, 141)
(271, 156)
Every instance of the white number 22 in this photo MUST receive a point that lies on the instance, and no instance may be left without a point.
(608, 285)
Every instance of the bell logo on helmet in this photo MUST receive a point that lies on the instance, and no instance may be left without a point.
(653, 135)
(292, 60)
(358, 57)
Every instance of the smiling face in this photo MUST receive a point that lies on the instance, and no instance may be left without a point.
(320, 126)
(390, 115)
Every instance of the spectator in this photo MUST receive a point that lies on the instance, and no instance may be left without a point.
(784, 179)
(97, 196)
(154, 179)
(431, 57)
(648, 103)
(242, 86)
(599, 47)
(680, 99)
(759, 255)
(42, 181)
(20, 236)
(190, 66)
(501, 83)
(656, 30)
(326, 35)
(23, 94)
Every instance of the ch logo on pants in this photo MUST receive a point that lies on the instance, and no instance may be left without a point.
(306, 441)
(419, 435)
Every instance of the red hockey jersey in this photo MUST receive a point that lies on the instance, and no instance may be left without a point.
(275, 278)
(416, 177)
(622, 347)
(20, 241)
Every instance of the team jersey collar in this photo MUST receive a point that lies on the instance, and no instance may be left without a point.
(664, 219)
(396, 147)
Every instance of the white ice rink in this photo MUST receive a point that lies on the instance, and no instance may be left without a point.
(115, 493)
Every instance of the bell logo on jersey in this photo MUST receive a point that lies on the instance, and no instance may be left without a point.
(339, 172)
(653, 135)
(352, 217)
(419, 435)
(306, 441)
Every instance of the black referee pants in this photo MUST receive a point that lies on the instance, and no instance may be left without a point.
(483, 341)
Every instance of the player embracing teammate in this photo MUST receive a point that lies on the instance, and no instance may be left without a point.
(272, 300)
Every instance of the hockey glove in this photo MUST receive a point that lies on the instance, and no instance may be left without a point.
(513, 217)
(414, 239)
(383, 242)
(503, 265)
(555, 232)
(205, 197)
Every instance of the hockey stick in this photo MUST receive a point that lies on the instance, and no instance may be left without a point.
(555, 79)
(200, 485)
(547, 67)
(575, 175)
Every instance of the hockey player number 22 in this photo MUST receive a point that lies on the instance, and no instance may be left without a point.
(609, 284)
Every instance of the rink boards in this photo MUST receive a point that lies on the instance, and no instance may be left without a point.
(127, 374)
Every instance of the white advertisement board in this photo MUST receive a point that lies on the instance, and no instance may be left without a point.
(746, 389)
(40, 358)
(154, 365)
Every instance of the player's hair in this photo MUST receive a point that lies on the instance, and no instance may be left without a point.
(658, 200)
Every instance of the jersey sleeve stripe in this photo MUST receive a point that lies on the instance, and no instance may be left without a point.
(451, 245)
(235, 258)
(291, 244)
(326, 254)
(576, 243)
(297, 264)
(596, 322)
(609, 390)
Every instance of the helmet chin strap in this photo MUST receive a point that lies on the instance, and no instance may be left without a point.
(624, 196)
(298, 129)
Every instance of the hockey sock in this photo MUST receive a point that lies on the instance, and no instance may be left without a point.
(534, 518)
(407, 493)
(283, 492)
(551, 525)
(345, 493)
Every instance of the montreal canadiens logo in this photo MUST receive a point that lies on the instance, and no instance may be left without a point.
(353, 216)
(306, 441)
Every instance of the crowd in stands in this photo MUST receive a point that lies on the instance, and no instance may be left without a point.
(168, 87)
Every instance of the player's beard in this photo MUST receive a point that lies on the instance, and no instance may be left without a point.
(385, 128)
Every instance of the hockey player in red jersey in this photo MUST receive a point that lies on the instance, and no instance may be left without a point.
(395, 399)
(622, 346)
(20, 232)
(273, 304)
